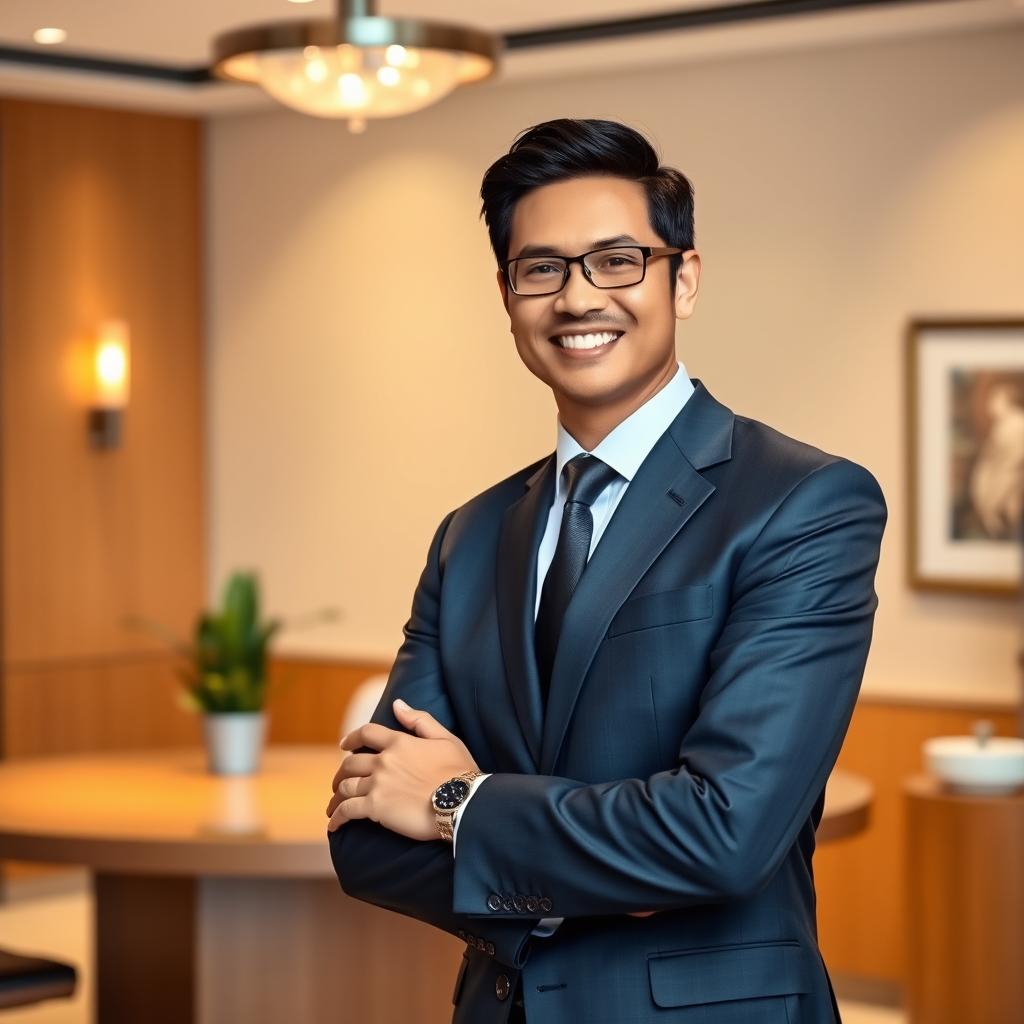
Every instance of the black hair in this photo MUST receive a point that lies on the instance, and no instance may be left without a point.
(571, 148)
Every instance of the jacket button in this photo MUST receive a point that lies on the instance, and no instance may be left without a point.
(494, 901)
(471, 938)
(507, 904)
(532, 904)
(490, 949)
(501, 987)
(545, 904)
(461, 934)
(481, 945)
(519, 903)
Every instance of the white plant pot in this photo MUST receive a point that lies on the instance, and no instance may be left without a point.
(234, 741)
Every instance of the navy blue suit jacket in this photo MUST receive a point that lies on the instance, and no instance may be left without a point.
(707, 670)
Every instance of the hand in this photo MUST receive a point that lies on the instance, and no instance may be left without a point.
(394, 787)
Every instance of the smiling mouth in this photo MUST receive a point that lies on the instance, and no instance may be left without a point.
(591, 339)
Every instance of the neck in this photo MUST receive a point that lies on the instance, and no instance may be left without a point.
(589, 425)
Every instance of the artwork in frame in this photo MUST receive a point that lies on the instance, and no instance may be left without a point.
(965, 404)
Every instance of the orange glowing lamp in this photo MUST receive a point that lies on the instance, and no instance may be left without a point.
(111, 366)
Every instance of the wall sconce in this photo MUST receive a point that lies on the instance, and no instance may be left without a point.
(109, 384)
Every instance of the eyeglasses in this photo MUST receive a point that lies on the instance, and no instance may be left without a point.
(615, 267)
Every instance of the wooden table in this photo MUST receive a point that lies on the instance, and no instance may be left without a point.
(848, 800)
(965, 905)
(216, 900)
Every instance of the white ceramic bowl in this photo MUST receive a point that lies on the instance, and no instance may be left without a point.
(963, 764)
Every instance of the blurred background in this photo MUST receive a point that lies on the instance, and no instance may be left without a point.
(229, 349)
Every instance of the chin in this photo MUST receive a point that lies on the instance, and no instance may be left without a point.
(594, 388)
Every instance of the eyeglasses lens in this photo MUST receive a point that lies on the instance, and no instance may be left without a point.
(606, 268)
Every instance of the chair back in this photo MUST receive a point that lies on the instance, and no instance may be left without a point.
(363, 703)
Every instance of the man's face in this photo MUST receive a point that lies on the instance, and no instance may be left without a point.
(572, 217)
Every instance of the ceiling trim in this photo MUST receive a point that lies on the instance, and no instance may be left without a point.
(553, 35)
(106, 66)
(689, 18)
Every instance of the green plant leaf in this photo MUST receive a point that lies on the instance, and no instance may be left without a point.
(225, 668)
(189, 701)
(161, 632)
(239, 615)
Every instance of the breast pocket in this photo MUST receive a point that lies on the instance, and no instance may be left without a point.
(663, 609)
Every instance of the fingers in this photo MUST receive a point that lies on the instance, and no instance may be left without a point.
(347, 789)
(354, 764)
(348, 809)
(377, 737)
(422, 723)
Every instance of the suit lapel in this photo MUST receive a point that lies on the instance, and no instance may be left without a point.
(521, 531)
(661, 498)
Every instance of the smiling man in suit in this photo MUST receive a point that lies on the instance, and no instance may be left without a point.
(602, 752)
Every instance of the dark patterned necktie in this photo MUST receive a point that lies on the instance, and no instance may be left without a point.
(587, 476)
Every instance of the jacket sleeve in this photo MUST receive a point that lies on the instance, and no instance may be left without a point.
(389, 870)
(784, 675)
(548, 925)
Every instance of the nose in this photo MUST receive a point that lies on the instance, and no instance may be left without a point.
(579, 295)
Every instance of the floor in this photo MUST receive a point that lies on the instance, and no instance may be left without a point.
(55, 917)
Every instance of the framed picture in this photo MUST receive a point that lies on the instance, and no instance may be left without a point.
(965, 430)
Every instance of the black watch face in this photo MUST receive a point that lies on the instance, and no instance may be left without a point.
(450, 794)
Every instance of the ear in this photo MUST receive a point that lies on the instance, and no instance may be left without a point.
(686, 284)
(503, 288)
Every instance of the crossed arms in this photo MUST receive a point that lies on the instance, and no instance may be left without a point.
(784, 675)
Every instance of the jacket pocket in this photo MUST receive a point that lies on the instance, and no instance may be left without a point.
(692, 977)
(457, 991)
(662, 609)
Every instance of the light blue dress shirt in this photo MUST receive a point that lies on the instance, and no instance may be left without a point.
(624, 449)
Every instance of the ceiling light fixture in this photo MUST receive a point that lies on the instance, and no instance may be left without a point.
(357, 65)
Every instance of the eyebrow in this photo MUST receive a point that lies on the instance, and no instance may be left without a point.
(551, 250)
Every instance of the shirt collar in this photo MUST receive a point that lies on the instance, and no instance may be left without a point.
(626, 447)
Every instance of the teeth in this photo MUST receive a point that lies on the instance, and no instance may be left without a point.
(587, 340)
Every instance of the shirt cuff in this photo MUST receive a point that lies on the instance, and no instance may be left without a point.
(473, 786)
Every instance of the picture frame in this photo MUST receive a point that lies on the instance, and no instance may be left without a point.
(965, 455)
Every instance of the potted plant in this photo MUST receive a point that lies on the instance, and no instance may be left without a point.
(224, 672)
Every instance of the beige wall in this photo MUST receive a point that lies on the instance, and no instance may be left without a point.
(838, 193)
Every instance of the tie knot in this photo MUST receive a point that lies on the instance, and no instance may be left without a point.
(588, 476)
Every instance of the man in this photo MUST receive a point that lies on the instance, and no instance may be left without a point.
(643, 746)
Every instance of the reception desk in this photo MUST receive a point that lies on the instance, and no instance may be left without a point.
(216, 900)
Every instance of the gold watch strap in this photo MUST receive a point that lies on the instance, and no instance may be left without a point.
(446, 819)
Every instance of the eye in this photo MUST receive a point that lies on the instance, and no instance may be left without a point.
(540, 269)
(617, 261)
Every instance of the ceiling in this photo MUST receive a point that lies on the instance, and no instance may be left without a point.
(132, 43)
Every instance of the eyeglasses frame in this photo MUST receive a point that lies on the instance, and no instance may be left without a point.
(647, 251)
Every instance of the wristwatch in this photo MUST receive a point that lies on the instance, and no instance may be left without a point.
(448, 798)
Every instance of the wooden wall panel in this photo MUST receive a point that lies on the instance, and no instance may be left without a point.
(100, 216)
(308, 696)
(113, 704)
(132, 703)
